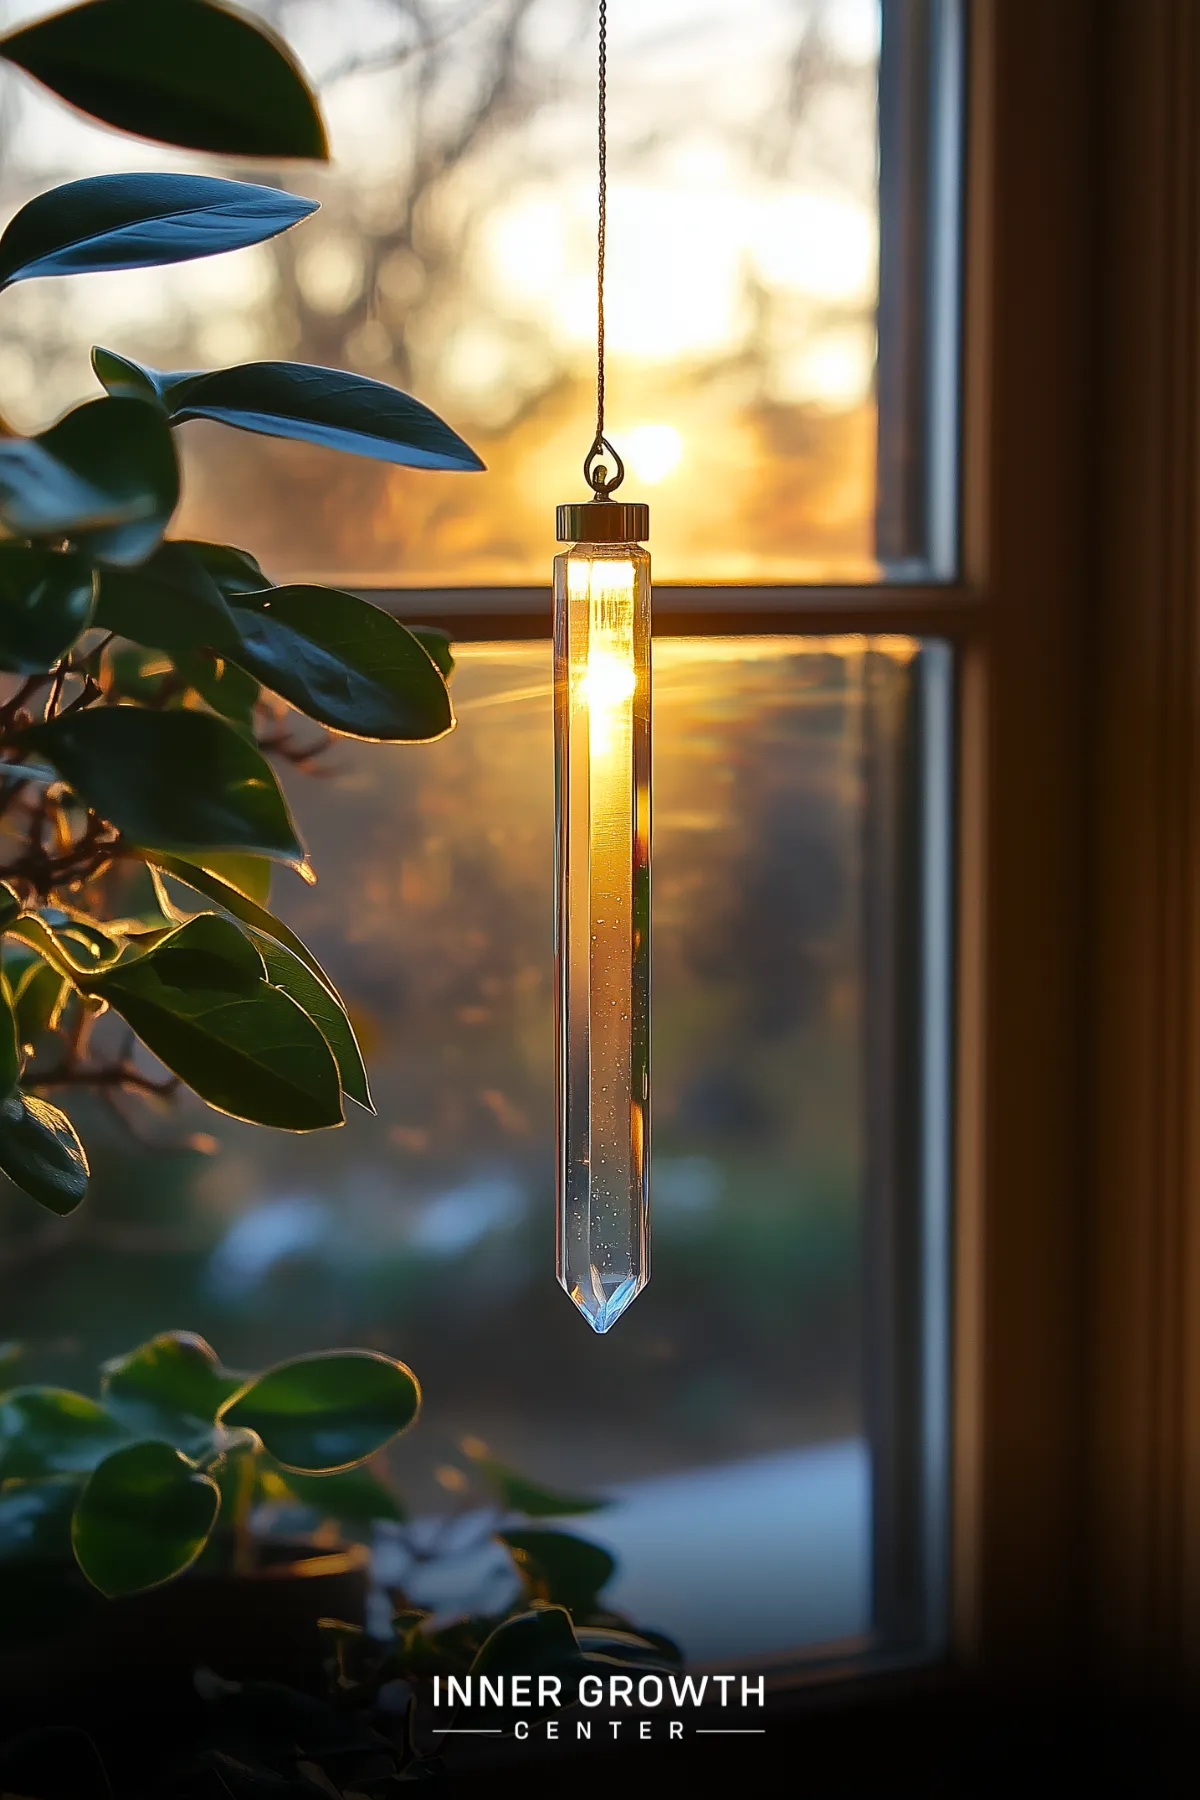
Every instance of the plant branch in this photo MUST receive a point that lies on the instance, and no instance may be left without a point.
(77, 862)
(120, 1074)
(60, 676)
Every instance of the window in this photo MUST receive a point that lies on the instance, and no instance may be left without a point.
(772, 1415)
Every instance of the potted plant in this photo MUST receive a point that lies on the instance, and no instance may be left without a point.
(145, 686)
(105, 1501)
(129, 1554)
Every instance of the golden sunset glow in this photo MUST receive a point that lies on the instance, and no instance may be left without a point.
(652, 452)
(454, 256)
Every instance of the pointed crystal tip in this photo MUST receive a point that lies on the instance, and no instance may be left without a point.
(605, 1299)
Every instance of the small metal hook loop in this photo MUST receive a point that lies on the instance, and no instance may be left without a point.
(596, 474)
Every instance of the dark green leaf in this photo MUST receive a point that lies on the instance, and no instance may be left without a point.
(215, 884)
(319, 406)
(187, 73)
(200, 1001)
(325, 1008)
(132, 673)
(543, 1642)
(352, 1497)
(170, 603)
(171, 1388)
(46, 602)
(234, 571)
(123, 379)
(561, 1568)
(340, 660)
(437, 645)
(139, 221)
(143, 1518)
(533, 1643)
(37, 1001)
(50, 1431)
(10, 904)
(90, 944)
(518, 1494)
(10, 1051)
(76, 950)
(647, 1649)
(35, 1520)
(223, 686)
(249, 876)
(329, 1410)
(40, 1152)
(105, 476)
(172, 780)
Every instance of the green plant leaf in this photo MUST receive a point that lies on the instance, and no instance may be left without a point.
(323, 1005)
(76, 950)
(561, 1568)
(201, 1002)
(38, 1000)
(10, 1049)
(519, 1494)
(542, 1641)
(436, 644)
(143, 1518)
(172, 780)
(134, 673)
(330, 407)
(35, 1520)
(343, 662)
(210, 881)
(249, 876)
(533, 1642)
(140, 220)
(329, 1410)
(123, 379)
(46, 602)
(171, 1388)
(649, 1649)
(351, 1497)
(234, 571)
(10, 905)
(223, 686)
(170, 602)
(105, 476)
(40, 1152)
(185, 73)
(51, 1431)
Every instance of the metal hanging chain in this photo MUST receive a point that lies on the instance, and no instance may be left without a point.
(595, 472)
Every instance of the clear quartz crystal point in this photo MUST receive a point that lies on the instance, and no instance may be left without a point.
(602, 938)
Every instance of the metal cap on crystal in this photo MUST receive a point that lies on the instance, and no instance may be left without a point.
(604, 522)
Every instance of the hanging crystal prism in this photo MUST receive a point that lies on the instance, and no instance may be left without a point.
(602, 941)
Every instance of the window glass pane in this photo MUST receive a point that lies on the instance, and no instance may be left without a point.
(454, 254)
(743, 1411)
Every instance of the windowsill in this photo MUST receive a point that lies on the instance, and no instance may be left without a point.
(711, 1557)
